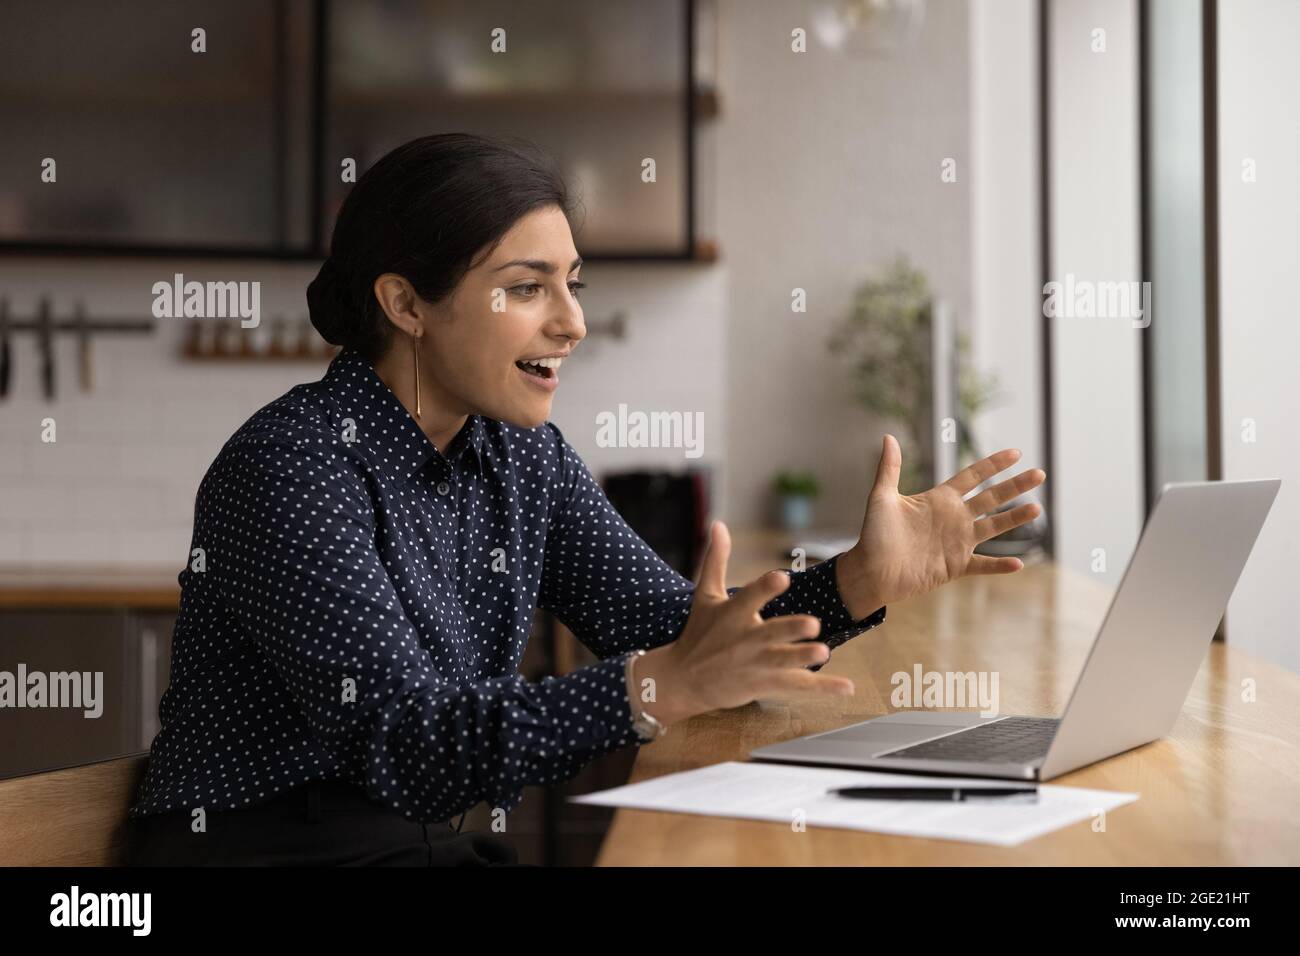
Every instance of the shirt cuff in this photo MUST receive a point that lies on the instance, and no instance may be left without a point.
(611, 724)
(816, 592)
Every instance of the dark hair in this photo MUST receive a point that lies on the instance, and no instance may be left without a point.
(424, 211)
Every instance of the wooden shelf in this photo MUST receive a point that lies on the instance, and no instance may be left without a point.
(223, 340)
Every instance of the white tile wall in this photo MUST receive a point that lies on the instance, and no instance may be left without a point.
(117, 487)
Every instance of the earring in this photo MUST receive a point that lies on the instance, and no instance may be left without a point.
(415, 358)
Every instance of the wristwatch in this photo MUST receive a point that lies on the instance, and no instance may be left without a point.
(647, 727)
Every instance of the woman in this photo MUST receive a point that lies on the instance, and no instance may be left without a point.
(370, 550)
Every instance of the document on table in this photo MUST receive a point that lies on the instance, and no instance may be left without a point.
(788, 794)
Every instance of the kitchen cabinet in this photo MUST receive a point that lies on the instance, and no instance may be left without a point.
(106, 669)
(240, 148)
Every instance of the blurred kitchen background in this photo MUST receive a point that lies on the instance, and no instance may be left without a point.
(855, 210)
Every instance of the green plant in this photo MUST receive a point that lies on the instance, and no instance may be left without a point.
(798, 483)
(886, 339)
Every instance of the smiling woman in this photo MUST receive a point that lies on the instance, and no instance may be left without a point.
(443, 239)
(529, 306)
(344, 674)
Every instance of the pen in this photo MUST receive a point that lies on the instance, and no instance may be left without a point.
(931, 793)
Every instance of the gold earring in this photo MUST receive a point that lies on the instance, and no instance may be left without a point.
(415, 357)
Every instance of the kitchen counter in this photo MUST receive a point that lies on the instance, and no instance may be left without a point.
(27, 588)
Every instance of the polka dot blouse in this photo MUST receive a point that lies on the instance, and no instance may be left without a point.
(357, 604)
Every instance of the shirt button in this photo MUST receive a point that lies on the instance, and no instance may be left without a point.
(443, 487)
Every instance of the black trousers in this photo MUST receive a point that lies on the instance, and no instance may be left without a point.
(319, 824)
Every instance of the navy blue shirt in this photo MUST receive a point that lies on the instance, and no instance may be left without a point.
(362, 601)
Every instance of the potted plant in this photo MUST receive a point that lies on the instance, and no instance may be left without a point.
(796, 491)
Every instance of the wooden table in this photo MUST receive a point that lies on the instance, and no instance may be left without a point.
(1223, 788)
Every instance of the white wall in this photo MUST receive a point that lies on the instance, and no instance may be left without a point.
(1259, 119)
(1006, 263)
(673, 359)
(828, 166)
(1096, 467)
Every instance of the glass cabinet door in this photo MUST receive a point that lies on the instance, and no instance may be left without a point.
(156, 143)
(600, 85)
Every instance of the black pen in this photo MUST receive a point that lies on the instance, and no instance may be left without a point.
(948, 794)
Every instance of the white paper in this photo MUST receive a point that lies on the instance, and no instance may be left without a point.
(787, 793)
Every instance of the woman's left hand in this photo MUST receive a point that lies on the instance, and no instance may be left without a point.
(911, 544)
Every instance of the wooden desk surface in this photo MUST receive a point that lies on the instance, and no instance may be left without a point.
(1223, 788)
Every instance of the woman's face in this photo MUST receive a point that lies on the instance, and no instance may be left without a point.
(518, 306)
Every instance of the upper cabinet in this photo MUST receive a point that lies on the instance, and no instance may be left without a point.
(118, 132)
(601, 85)
(195, 127)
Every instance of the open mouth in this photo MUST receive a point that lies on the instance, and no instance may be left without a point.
(537, 369)
(546, 369)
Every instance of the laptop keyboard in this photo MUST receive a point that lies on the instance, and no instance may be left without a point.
(1012, 740)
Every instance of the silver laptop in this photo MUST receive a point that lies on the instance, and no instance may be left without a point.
(1137, 675)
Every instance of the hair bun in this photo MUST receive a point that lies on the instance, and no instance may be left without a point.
(329, 304)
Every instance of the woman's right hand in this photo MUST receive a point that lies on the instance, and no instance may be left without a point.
(727, 654)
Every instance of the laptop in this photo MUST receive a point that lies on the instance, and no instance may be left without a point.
(1137, 675)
